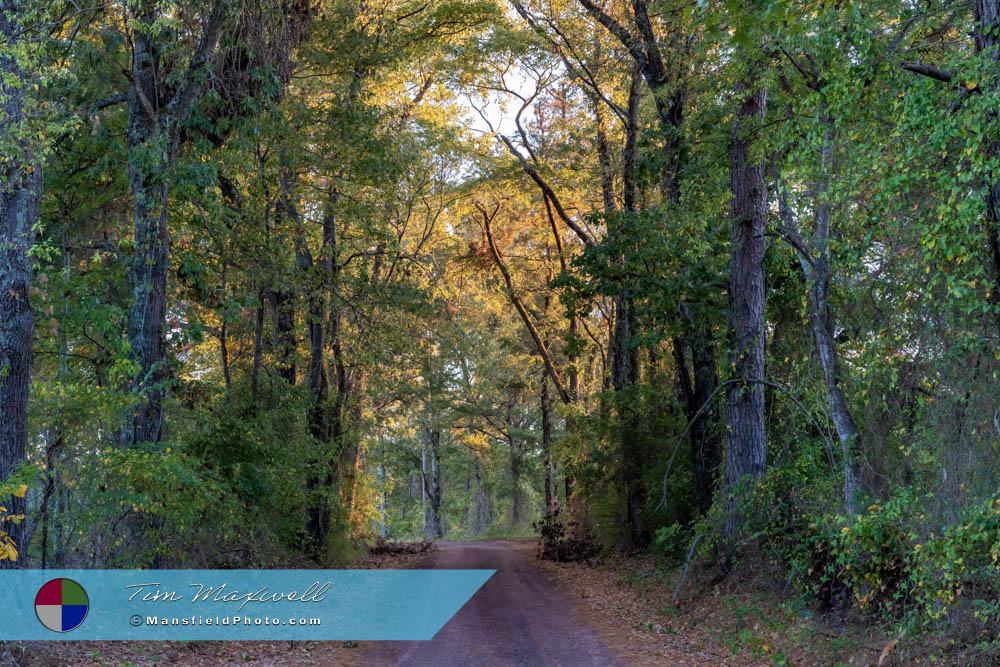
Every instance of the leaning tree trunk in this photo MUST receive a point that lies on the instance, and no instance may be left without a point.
(823, 332)
(746, 444)
(817, 272)
(840, 412)
(20, 187)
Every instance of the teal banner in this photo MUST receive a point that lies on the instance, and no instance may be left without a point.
(232, 604)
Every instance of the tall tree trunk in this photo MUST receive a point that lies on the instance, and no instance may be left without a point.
(705, 437)
(624, 351)
(433, 530)
(148, 163)
(152, 137)
(322, 421)
(423, 483)
(603, 159)
(668, 86)
(696, 387)
(624, 376)
(516, 494)
(283, 299)
(224, 336)
(347, 407)
(987, 35)
(285, 343)
(383, 531)
(746, 444)
(571, 356)
(482, 512)
(547, 444)
(20, 189)
(258, 348)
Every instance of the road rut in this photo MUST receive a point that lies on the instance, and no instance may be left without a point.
(516, 618)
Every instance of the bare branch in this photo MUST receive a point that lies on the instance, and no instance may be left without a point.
(928, 71)
(708, 402)
(550, 368)
(143, 100)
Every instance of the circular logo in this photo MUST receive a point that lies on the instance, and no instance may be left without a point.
(61, 605)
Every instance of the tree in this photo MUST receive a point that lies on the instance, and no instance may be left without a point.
(746, 440)
(20, 191)
(156, 118)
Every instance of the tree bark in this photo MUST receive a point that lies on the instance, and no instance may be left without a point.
(283, 299)
(285, 343)
(624, 351)
(383, 513)
(20, 190)
(148, 275)
(668, 95)
(482, 514)
(258, 348)
(746, 444)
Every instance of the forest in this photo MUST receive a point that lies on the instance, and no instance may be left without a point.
(717, 281)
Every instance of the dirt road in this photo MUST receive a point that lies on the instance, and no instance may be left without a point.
(517, 618)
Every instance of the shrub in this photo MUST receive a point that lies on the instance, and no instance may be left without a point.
(553, 544)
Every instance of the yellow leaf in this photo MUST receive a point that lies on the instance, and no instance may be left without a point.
(884, 655)
(971, 84)
(21, 490)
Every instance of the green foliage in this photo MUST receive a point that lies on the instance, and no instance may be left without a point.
(17, 485)
(670, 543)
(334, 310)
(891, 561)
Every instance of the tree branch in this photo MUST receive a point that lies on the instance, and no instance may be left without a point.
(928, 71)
(185, 95)
(547, 191)
(522, 311)
(143, 100)
(616, 29)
